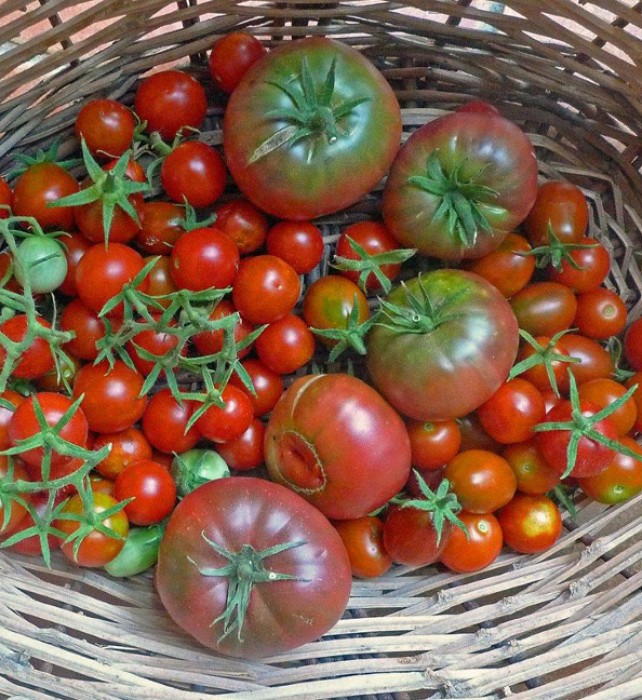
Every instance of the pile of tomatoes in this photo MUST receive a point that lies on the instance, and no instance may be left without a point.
(162, 315)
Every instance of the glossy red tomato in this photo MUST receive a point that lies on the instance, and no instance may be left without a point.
(476, 548)
(12, 511)
(600, 314)
(164, 410)
(160, 344)
(534, 476)
(632, 344)
(266, 288)
(562, 206)
(211, 342)
(244, 223)
(204, 258)
(251, 525)
(334, 440)
(227, 422)
(31, 546)
(152, 488)
(363, 540)
(621, 480)
(89, 218)
(231, 56)
(159, 280)
(603, 392)
(107, 127)
(96, 548)
(24, 424)
(555, 351)
(530, 524)
(512, 411)
(268, 385)
(544, 308)
(286, 345)
(35, 360)
(111, 396)
(194, 172)
(433, 443)
(161, 226)
(170, 100)
(593, 264)
(482, 480)
(299, 243)
(594, 360)
(127, 446)
(87, 326)
(75, 245)
(39, 185)
(102, 273)
(245, 452)
(507, 267)
(9, 401)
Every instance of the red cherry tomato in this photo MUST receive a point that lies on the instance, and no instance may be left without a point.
(600, 314)
(127, 446)
(363, 540)
(107, 127)
(268, 385)
(621, 480)
(35, 360)
(534, 476)
(299, 243)
(245, 452)
(244, 223)
(194, 172)
(433, 443)
(562, 206)
(164, 410)
(286, 345)
(227, 422)
(152, 488)
(477, 548)
(231, 56)
(530, 524)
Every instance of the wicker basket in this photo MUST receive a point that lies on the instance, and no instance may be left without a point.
(565, 624)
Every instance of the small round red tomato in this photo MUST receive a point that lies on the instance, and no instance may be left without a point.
(194, 172)
(603, 392)
(102, 273)
(544, 308)
(512, 411)
(9, 401)
(12, 512)
(594, 360)
(244, 223)
(600, 314)
(165, 421)
(556, 353)
(593, 264)
(31, 546)
(375, 239)
(111, 395)
(160, 344)
(530, 524)
(107, 127)
(334, 440)
(75, 245)
(231, 56)
(433, 443)
(134, 170)
(299, 243)
(87, 326)
(24, 424)
(127, 446)
(39, 185)
(152, 488)
(363, 540)
(97, 548)
(227, 422)
(473, 436)
(592, 456)
(245, 452)
(204, 258)
(35, 360)
(561, 206)
(476, 548)
(89, 218)
(170, 100)
(621, 480)
(159, 279)
(534, 476)
(507, 267)
(482, 480)
(161, 225)
(266, 288)
(212, 341)
(268, 385)
(286, 345)
(632, 344)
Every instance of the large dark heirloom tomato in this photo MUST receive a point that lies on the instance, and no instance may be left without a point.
(251, 569)
(311, 128)
(334, 440)
(444, 343)
(459, 185)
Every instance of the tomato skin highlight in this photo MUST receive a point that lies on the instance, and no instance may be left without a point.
(363, 539)
(530, 524)
(621, 480)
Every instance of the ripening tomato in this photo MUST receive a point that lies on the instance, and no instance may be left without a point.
(621, 480)
(299, 243)
(286, 345)
(593, 264)
(530, 524)
(127, 446)
(169, 101)
(152, 488)
(107, 127)
(244, 223)
(363, 540)
(433, 443)
(476, 548)
(534, 476)
(561, 206)
(164, 423)
(245, 452)
(36, 359)
(227, 422)
(600, 314)
(594, 360)
(231, 56)
(482, 481)
(603, 392)
(544, 308)
(89, 218)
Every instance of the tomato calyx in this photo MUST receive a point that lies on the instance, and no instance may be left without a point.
(315, 112)
(350, 337)
(460, 199)
(442, 504)
(371, 263)
(555, 253)
(615, 349)
(246, 568)
(50, 155)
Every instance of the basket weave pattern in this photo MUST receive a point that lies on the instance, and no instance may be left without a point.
(564, 624)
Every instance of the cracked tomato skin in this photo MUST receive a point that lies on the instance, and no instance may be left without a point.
(335, 441)
(316, 175)
(483, 149)
(282, 614)
(449, 371)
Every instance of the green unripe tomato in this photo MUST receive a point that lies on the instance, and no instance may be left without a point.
(196, 467)
(42, 261)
